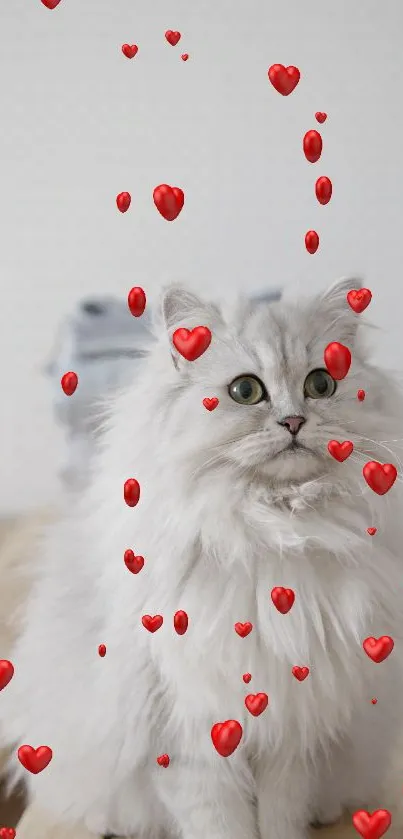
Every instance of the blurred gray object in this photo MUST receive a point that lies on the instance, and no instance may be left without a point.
(102, 342)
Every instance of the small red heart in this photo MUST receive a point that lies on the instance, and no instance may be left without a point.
(181, 622)
(163, 760)
(337, 360)
(185, 56)
(69, 383)
(133, 563)
(246, 677)
(372, 825)
(172, 37)
(311, 241)
(300, 673)
(6, 672)
(50, 4)
(320, 116)
(123, 201)
(371, 531)
(7, 833)
(360, 395)
(284, 79)
(226, 737)
(312, 145)
(374, 701)
(136, 301)
(35, 760)
(152, 623)
(283, 599)
(340, 451)
(323, 189)
(210, 404)
(243, 629)
(102, 650)
(379, 477)
(131, 492)
(168, 200)
(130, 50)
(378, 648)
(192, 343)
(359, 299)
(256, 703)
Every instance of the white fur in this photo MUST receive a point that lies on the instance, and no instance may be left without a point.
(221, 521)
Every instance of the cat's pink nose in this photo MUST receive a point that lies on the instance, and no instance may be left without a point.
(293, 424)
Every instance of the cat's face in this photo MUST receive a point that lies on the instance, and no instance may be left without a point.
(266, 366)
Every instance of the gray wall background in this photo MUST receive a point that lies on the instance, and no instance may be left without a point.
(81, 123)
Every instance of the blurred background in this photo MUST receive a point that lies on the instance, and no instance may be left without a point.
(82, 123)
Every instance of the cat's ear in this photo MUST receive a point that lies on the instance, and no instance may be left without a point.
(180, 307)
(335, 316)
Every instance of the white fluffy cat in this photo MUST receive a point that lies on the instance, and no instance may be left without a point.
(227, 512)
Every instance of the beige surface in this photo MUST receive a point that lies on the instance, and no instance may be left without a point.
(17, 543)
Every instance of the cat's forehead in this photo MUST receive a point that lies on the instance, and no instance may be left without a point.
(280, 336)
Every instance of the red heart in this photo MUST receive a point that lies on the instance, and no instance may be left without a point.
(163, 760)
(168, 200)
(69, 383)
(102, 650)
(181, 622)
(283, 599)
(185, 56)
(7, 833)
(371, 531)
(226, 737)
(379, 477)
(6, 672)
(340, 451)
(243, 629)
(246, 677)
(130, 50)
(131, 492)
(172, 37)
(338, 360)
(123, 201)
(300, 673)
(192, 343)
(152, 623)
(360, 395)
(35, 760)
(284, 79)
(210, 404)
(323, 189)
(372, 825)
(311, 241)
(256, 703)
(378, 648)
(132, 562)
(50, 4)
(312, 145)
(320, 116)
(136, 301)
(359, 299)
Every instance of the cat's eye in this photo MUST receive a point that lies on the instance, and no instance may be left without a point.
(247, 390)
(319, 384)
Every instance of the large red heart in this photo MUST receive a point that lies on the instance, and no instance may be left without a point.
(130, 50)
(6, 672)
(133, 563)
(372, 825)
(172, 37)
(379, 477)
(337, 360)
(226, 737)
(256, 703)
(378, 648)
(50, 4)
(152, 622)
(7, 833)
(340, 451)
(284, 79)
(243, 629)
(168, 200)
(35, 760)
(300, 673)
(283, 599)
(359, 299)
(192, 343)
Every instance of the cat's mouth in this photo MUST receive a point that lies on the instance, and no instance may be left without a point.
(295, 447)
